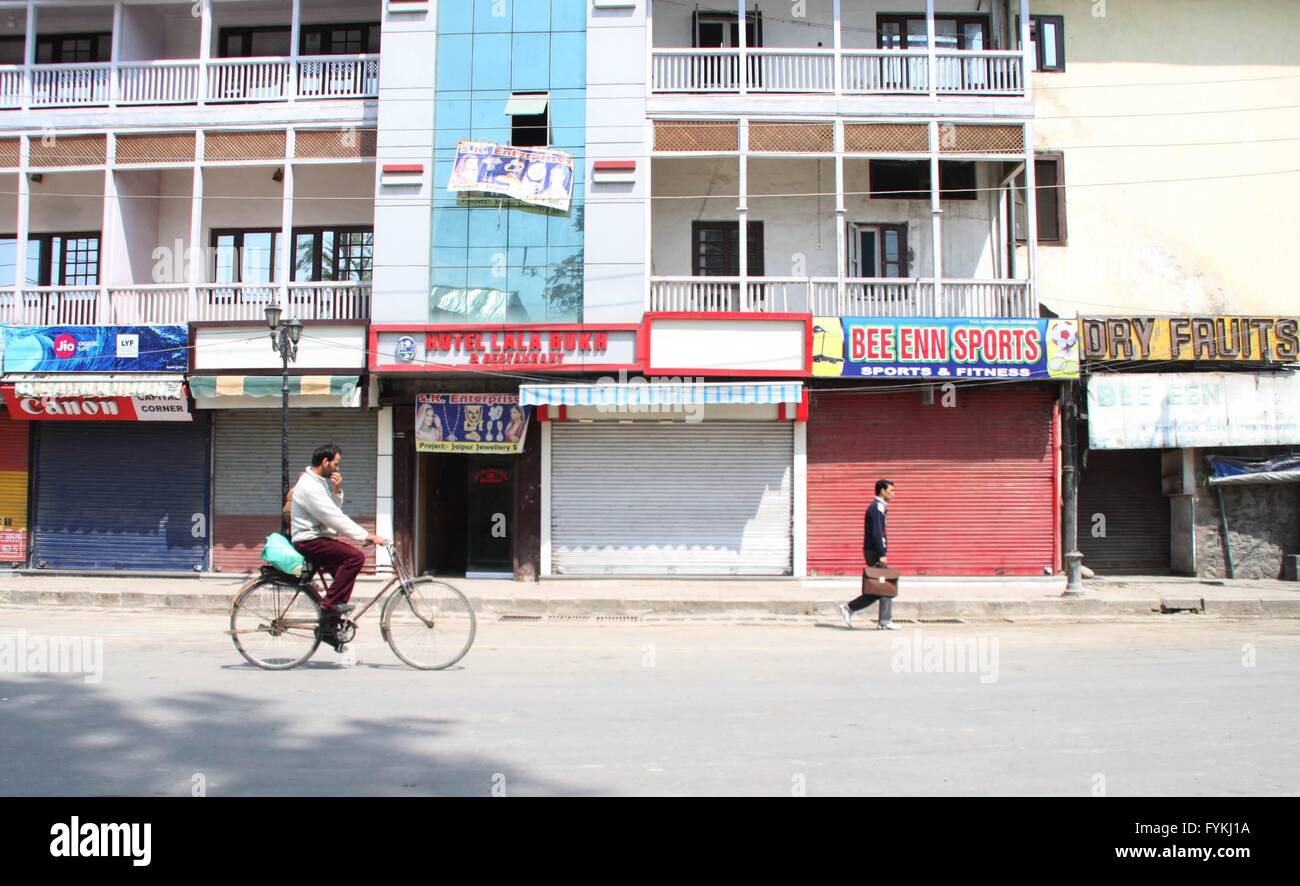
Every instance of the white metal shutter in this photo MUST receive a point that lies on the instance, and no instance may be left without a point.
(672, 499)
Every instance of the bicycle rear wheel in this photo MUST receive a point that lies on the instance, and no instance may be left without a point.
(274, 625)
(428, 624)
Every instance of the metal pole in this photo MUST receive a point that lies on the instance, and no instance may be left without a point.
(284, 426)
(1070, 490)
(1227, 539)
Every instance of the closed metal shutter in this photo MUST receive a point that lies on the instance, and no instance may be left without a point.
(1120, 494)
(671, 499)
(122, 496)
(14, 460)
(246, 459)
(976, 482)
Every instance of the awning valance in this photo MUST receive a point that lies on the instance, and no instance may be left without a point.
(341, 386)
(662, 394)
(167, 386)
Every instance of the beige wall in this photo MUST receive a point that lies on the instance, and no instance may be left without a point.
(1196, 246)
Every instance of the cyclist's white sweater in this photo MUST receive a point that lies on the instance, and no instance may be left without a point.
(318, 513)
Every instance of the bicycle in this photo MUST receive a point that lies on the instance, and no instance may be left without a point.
(275, 619)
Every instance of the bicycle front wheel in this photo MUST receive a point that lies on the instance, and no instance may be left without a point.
(274, 625)
(429, 624)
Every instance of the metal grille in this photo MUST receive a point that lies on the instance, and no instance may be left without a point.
(886, 138)
(685, 135)
(981, 139)
(171, 147)
(245, 146)
(69, 150)
(792, 137)
(351, 144)
(9, 153)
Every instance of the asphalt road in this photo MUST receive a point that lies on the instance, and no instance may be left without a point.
(1173, 705)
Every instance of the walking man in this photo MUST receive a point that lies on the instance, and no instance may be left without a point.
(318, 521)
(875, 547)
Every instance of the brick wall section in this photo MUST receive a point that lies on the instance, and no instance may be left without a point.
(1263, 520)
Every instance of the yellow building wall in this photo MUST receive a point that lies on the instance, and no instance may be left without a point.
(1156, 91)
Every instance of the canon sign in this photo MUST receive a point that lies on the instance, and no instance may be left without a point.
(42, 407)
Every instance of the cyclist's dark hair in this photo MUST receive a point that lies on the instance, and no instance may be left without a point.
(881, 485)
(323, 454)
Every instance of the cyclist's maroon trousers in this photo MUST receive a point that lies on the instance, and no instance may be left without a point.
(340, 560)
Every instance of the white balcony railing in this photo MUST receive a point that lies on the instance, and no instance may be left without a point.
(50, 306)
(158, 82)
(147, 306)
(306, 301)
(329, 301)
(823, 296)
(170, 82)
(863, 71)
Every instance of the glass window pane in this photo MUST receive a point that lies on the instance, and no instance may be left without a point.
(973, 35)
(867, 265)
(8, 261)
(1049, 45)
(311, 43)
(891, 35)
(270, 43)
(258, 257)
(304, 263)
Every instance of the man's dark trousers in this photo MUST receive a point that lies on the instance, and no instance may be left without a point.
(862, 602)
(340, 560)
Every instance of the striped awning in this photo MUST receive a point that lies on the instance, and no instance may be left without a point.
(341, 386)
(72, 384)
(662, 394)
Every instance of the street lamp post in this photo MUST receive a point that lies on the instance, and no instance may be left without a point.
(285, 336)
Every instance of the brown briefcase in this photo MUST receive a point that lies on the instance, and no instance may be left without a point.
(880, 582)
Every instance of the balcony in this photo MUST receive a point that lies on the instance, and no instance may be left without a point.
(189, 81)
(858, 297)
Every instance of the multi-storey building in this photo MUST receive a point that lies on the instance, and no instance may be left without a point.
(170, 170)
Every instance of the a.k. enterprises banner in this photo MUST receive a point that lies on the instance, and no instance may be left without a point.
(945, 348)
(96, 349)
(542, 178)
(481, 423)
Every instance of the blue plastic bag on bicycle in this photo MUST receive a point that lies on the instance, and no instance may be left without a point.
(281, 554)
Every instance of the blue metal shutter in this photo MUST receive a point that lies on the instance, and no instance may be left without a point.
(122, 496)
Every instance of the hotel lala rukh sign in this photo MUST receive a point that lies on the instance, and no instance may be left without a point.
(516, 347)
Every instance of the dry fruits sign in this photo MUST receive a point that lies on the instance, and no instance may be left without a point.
(1253, 339)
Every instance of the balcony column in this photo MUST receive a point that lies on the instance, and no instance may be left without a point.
(1031, 213)
(936, 216)
(196, 266)
(115, 57)
(112, 232)
(295, 30)
(742, 211)
(838, 38)
(286, 227)
(841, 219)
(29, 58)
(205, 50)
(932, 61)
(23, 227)
(1027, 55)
(744, 53)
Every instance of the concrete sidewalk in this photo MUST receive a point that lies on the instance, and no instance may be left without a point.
(921, 598)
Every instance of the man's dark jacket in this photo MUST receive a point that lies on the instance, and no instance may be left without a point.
(874, 538)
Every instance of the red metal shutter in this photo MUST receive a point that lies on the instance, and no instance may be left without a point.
(1124, 487)
(976, 482)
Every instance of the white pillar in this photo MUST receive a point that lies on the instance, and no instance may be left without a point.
(115, 56)
(744, 48)
(1024, 47)
(205, 48)
(800, 490)
(196, 267)
(24, 226)
(837, 26)
(841, 219)
(936, 213)
(294, 31)
(112, 232)
(286, 226)
(1031, 211)
(29, 57)
(930, 50)
(546, 498)
(742, 214)
(384, 484)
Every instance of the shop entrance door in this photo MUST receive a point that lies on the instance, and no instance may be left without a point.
(491, 511)
(468, 511)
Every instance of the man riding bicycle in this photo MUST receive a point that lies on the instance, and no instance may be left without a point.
(317, 521)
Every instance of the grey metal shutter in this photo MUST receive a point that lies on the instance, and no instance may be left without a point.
(122, 495)
(672, 499)
(1124, 486)
(246, 461)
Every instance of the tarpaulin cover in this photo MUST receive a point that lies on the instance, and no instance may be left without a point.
(1279, 469)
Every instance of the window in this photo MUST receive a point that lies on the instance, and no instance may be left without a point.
(910, 180)
(73, 49)
(530, 119)
(255, 42)
(333, 254)
(52, 260)
(1049, 172)
(246, 256)
(349, 39)
(1046, 41)
(950, 32)
(13, 50)
(721, 30)
(715, 249)
(877, 250)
